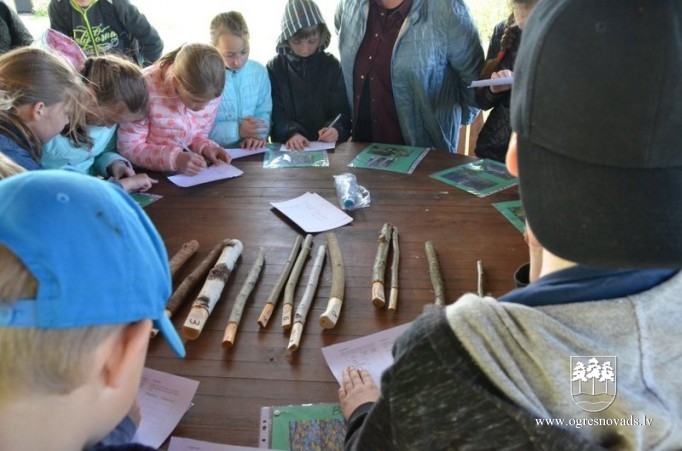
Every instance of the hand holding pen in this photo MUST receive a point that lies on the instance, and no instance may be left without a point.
(329, 134)
(188, 162)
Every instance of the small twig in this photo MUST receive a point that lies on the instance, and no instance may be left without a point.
(434, 272)
(379, 268)
(393, 296)
(240, 301)
(272, 299)
(306, 300)
(479, 273)
(290, 288)
(180, 258)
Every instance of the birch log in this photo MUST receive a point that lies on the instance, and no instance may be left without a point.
(180, 258)
(379, 268)
(434, 272)
(331, 315)
(210, 293)
(271, 301)
(290, 288)
(240, 301)
(393, 296)
(306, 300)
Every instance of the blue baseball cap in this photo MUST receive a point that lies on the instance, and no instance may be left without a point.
(97, 257)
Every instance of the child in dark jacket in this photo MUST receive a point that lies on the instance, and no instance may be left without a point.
(308, 91)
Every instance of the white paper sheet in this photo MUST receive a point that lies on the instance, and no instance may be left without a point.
(492, 82)
(164, 398)
(238, 152)
(371, 352)
(188, 444)
(210, 174)
(313, 213)
(312, 145)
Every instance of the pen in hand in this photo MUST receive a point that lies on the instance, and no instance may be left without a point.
(329, 133)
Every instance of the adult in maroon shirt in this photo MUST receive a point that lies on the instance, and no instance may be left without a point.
(407, 65)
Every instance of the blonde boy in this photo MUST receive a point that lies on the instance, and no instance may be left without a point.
(83, 273)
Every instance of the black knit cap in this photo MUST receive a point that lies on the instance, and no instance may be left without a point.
(597, 104)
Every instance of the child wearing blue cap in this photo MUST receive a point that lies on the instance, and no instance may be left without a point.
(72, 349)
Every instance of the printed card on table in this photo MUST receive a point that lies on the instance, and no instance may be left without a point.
(481, 177)
(390, 157)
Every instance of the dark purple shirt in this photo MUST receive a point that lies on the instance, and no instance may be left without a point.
(376, 117)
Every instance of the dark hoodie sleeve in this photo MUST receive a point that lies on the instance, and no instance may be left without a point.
(151, 45)
(60, 19)
(283, 127)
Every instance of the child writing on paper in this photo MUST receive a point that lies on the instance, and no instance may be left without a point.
(73, 352)
(40, 94)
(493, 138)
(119, 95)
(243, 118)
(184, 90)
(308, 91)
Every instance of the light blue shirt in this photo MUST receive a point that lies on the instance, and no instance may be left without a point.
(246, 93)
(61, 153)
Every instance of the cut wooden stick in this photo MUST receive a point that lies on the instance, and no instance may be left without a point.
(210, 293)
(187, 285)
(434, 272)
(329, 318)
(271, 301)
(307, 299)
(290, 288)
(479, 278)
(180, 258)
(393, 296)
(240, 301)
(379, 269)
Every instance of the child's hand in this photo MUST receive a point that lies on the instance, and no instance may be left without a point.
(137, 182)
(215, 155)
(357, 388)
(190, 163)
(253, 143)
(297, 142)
(328, 134)
(120, 169)
(501, 74)
(251, 127)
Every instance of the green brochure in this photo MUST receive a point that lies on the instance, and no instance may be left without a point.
(513, 211)
(389, 157)
(480, 177)
(303, 427)
(144, 199)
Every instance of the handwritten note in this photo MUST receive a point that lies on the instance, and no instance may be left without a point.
(371, 352)
(313, 213)
(236, 153)
(164, 398)
(210, 174)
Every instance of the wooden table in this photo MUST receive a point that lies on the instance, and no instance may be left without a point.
(256, 371)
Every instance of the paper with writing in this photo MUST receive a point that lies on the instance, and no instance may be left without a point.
(210, 174)
(313, 213)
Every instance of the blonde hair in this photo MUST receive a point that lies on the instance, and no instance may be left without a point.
(30, 75)
(231, 22)
(42, 361)
(198, 67)
(8, 167)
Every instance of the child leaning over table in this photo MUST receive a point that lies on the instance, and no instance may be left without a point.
(184, 90)
(119, 95)
(40, 94)
(308, 91)
(243, 117)
(73, 352)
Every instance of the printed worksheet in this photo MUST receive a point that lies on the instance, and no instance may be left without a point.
(210, 174)
(313, 213)
(371, 352)
(164, 398)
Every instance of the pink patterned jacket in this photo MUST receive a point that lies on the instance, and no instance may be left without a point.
(155, 142)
